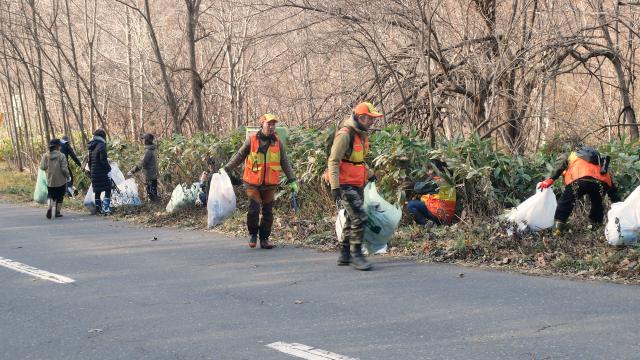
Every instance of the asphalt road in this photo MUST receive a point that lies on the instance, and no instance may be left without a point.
(200, 295)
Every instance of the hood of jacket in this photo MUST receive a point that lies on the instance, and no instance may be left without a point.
(53, 155)
(350, 122)
(95, 141)
(151, 147)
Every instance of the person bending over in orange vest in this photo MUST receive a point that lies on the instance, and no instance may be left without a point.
(585, 172)
(264, 158)
(347, 174)
(436, 200)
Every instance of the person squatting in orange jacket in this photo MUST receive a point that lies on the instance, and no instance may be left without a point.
(264, 158)
(585, 172)
(436, 202)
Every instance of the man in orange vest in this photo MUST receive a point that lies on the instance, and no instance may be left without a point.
(348, 174)
(264, 158)
(585, 172)
(436, 202)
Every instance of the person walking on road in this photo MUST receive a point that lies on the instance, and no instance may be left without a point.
(264, 158)
(67, 151)
(100, 168)
(57, 169)
(585, 172)
(347, 174)
(149, 164)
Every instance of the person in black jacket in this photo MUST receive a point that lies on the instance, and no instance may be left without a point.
(100, 168)
(67, 150)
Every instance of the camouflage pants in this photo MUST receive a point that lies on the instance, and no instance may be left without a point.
(353, 202)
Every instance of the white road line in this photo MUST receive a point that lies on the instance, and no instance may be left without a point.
(30, 270)
(307, 352)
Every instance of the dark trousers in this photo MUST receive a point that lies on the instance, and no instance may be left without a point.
(152, 190)
(260, 198)
(420, 213)
(594, 189)
(356, 216)
(107, 194)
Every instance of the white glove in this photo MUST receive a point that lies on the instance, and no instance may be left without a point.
(198, 202)
(129, 174)
(69, 179)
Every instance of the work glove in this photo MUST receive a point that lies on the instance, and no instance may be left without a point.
(294, 186)
(198, 202)
(372, 178)
(129, 174)
(337, 194)
(545, 184)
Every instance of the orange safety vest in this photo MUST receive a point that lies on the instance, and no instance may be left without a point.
(353, 170)
(579, 168)
(443, 204)
(260, 169)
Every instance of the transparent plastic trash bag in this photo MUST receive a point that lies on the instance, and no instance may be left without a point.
(41, 192)
(222, 199)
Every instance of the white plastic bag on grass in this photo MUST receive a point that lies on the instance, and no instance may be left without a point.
(623, 221)
(383, 220)
(183, 196)
(115, 174)
(222, 199)
(126, 193)
(535, 213)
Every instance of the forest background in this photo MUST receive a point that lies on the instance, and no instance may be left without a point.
(496, 88)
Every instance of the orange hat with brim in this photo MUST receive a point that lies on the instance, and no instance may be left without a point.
(268, 118)
(367, 108)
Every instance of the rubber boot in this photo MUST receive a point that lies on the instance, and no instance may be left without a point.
(106, 206)
(58, 207)
(50, 202)
(345, 255)
(358, 260)
(253, 240)
(98, 208)
(559, 228)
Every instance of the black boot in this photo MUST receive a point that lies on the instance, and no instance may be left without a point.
(265, 243)
(358, 260)
(345, 255)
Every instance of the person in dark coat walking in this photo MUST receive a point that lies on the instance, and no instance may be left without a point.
(100, 168)
(149, 166)
(67, 151)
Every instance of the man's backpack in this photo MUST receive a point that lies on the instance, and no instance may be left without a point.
(331, 135)
(592, 155)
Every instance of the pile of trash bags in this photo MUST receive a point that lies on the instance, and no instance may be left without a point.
(222, 200)
(623, 221)
(183, 196)
(383, 219)
(125, 192)
(536, 213)
(41, 192)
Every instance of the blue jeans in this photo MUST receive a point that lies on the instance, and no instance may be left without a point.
(420, 213)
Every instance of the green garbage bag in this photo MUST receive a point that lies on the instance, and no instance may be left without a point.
(41, 193)
(383, 220)
(183, 196)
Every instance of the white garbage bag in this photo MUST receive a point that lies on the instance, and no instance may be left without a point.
(340, 220)
(115, 174)
(383, 220)
(623, 221)
(183, 196)
(89, 200)
(126, 193)
(535, 213)
(222, 199)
